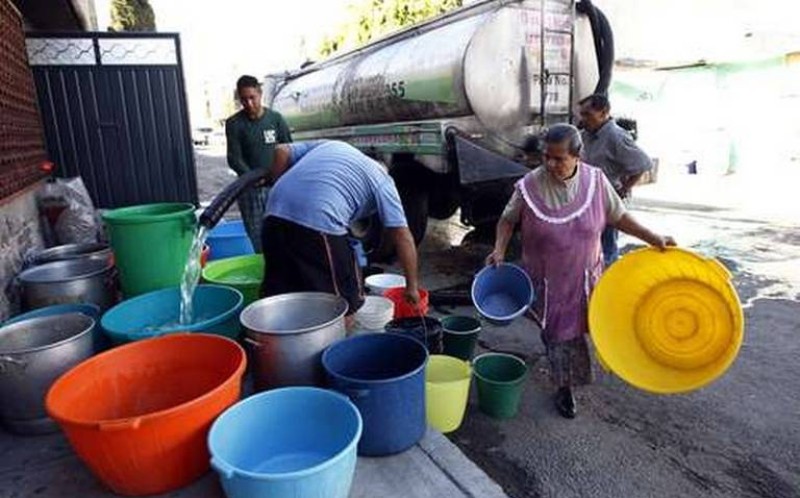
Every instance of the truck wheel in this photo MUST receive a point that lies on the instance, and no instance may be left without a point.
(415, 205)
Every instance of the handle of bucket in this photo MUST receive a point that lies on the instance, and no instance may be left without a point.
(252, 342)
(9, 360)
(225, 470)
(120, 425)
(357, 393)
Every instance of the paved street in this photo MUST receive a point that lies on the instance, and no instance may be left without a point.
(738, 437)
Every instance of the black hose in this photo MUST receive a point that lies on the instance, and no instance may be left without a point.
(214, 212)
(603, 39)
(606, 57)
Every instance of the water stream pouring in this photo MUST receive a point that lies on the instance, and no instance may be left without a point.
(208, 219)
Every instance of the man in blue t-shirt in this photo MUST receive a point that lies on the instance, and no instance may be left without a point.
(320, 189)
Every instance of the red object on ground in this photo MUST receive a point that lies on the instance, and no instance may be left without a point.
(138, 415)
(404, 309)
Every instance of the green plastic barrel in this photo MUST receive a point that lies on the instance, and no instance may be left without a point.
(500, 379)
(243, 273)
(151, 243)
(459, 336)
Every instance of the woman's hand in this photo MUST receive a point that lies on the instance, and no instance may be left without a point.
(495, 258)
(663, 241)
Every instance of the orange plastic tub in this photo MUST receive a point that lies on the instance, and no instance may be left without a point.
(403, 309)
(138, 415)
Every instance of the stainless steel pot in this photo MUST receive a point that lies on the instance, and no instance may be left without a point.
(71, 281)
(33, 354)
(97, 251)
(287, 335)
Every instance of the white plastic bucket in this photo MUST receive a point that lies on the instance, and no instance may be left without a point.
(382, 282)
(376, 312)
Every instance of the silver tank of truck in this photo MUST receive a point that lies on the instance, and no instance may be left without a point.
(484, 61)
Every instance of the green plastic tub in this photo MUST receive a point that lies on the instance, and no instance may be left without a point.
(243, 273)
(151, 244)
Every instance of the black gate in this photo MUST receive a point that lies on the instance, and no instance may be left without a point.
(114, 111)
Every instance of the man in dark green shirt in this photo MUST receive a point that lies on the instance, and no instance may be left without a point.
(252, 134)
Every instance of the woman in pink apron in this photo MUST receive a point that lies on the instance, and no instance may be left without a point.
(562, 209)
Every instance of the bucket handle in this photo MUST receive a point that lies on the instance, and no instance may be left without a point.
(225, 470)
(120, 425)
(10, 360)
(357, 393)
(253, 342)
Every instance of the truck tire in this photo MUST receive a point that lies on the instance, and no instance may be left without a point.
(415, 205)
(411, 179)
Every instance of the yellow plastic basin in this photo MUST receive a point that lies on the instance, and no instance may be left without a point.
(446, 391)
(666, 322)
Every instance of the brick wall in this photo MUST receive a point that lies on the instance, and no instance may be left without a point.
(21, 153)
(22, 148)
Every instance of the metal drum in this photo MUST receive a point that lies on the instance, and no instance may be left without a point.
(96, 251)
(288, 333)
(33, 354)
(71, 281)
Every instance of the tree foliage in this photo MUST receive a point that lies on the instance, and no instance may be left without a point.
(370, 19)
(132, 15)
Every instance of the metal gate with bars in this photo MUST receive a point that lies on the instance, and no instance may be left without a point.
(114, 111)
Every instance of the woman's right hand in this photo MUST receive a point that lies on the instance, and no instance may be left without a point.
(495, 258)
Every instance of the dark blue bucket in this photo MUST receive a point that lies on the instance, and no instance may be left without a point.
(384, 376)
(502, 293)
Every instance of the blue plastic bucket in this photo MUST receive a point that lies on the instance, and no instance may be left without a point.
(384, 375)
(285, 443)
(216, 308)
(229, 239)
(502, 293)
(88, 309)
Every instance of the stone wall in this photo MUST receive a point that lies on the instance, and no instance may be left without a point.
(20, 235)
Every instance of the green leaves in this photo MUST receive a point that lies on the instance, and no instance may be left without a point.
(372, 19)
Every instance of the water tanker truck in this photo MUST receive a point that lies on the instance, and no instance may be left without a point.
(447, 103)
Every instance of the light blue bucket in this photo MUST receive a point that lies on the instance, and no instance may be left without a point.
(287, 443)
(502, 293)
(216, 310)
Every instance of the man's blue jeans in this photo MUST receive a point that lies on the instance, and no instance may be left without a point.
(609, 242)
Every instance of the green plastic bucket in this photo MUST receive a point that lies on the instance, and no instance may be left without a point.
(243, 273)
(500, 379)
(151, 244)
(460, 334)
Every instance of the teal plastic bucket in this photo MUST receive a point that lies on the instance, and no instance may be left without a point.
(216, 309)
(151, 244)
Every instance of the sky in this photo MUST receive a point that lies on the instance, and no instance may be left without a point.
(222, 39)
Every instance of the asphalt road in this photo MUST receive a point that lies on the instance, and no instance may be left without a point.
(737, 437)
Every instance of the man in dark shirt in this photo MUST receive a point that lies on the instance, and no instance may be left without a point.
(252, 134)
(609, 147)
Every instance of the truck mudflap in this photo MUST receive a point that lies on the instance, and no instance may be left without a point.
(478, 165)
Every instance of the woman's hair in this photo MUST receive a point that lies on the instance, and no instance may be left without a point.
(561, 133)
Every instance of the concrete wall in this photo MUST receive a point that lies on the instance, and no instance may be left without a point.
(20, 235)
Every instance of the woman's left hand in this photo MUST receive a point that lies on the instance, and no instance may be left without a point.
(664, 241)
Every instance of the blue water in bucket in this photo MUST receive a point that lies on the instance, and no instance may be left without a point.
(286, 443)
(216, 311)
(502, 293)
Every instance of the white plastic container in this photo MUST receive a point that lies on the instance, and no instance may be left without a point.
(382, 282)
